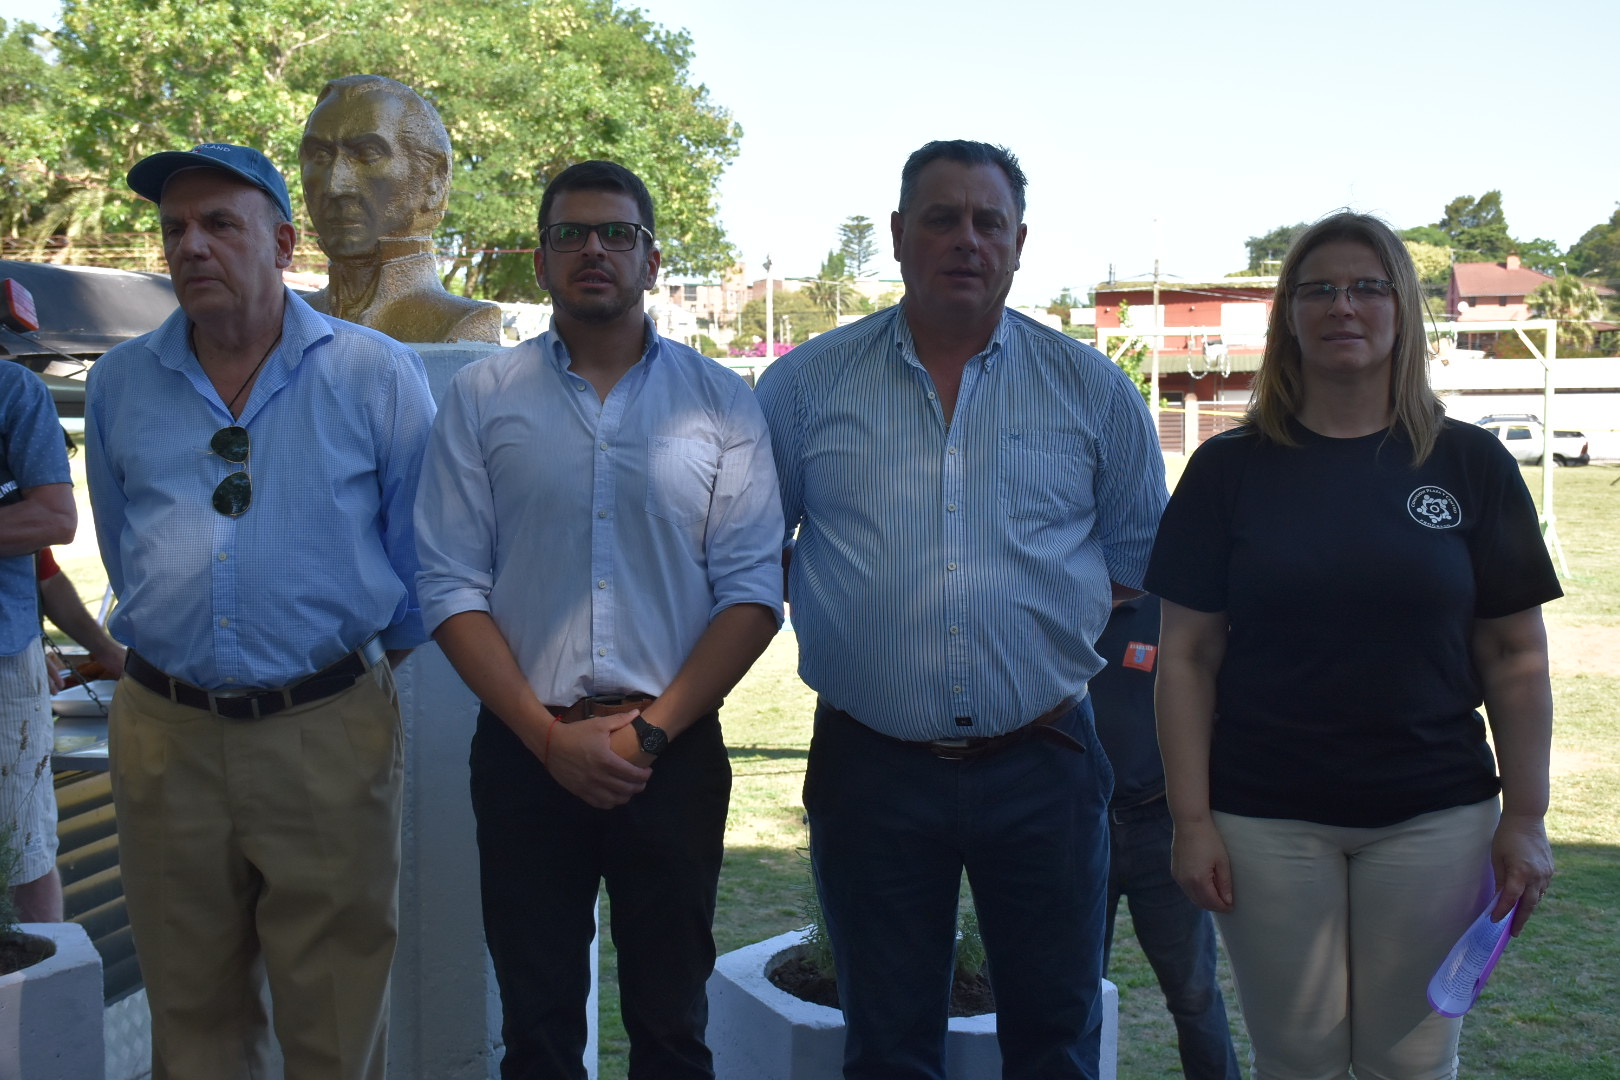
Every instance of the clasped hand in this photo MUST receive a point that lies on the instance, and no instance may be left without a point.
(582, 758)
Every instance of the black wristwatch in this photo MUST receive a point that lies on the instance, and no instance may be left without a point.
(653, 738)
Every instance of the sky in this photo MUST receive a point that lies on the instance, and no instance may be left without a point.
(1158, 129)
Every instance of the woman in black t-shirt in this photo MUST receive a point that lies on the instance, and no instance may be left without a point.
(1346, 579)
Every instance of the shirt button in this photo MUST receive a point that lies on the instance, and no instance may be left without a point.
(602, 584)
(930, 395)
(602, 445)
(601, 513)
(224, 622)
(601, 652)
(952, 450)
(951, 507)
(222, 556)
(579, 386)
(954, 630)
(950, 566)
(956, 689)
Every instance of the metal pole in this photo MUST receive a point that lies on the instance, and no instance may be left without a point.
(770, 315)
(1153, 381)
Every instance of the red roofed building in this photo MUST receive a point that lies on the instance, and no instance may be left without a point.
(1486, 291)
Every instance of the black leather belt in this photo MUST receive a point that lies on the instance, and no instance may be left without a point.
(982, 746)
(257, 704)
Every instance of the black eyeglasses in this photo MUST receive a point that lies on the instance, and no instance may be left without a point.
(234, 494)
(614, 235)
(1364, 291)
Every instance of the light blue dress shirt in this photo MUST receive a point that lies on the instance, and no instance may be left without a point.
(949, 580)
(601, 536)
(325, 556)
(32, 455)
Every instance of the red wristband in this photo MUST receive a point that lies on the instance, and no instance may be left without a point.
(545, 751)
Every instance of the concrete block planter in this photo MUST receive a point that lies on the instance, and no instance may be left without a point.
(51, 1012)
(758, 1032)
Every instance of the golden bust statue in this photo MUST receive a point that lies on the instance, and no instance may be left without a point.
(376, 167)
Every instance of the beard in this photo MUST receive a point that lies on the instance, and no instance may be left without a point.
(599, 309)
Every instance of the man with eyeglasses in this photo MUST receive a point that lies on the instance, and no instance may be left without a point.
(252, 468)
(970, 489)
(600, 534)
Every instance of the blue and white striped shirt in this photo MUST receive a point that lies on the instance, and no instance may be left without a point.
(326, 555)
(957, 573)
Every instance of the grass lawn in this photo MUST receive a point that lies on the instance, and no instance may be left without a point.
(1551, 1011)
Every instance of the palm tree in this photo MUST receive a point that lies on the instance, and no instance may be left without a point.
(1573, 303)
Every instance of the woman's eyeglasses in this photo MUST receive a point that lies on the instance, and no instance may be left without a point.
(1364, 291)
(234, 494)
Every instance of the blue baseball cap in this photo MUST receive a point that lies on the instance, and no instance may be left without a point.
(149, 175)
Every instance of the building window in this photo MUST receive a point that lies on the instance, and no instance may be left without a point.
(691, 294)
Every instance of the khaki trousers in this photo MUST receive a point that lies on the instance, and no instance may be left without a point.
(1334, 933)
(262, 849)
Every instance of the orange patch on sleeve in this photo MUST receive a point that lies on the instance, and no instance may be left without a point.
(1140, 656)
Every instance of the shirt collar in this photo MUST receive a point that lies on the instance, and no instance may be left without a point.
(556, 351)
(302, 328)
(906, 347)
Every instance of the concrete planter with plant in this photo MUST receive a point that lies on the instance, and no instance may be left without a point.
(760, 1031)
(50, 993)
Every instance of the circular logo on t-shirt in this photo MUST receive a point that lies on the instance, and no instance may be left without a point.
(1435, 507)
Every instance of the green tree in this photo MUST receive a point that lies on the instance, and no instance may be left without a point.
(1573, 303)
(1063, 303)
(1597, 253)
(1433, 235)
(525, 87)
(1271, 247)
(1131, 354)
(834, 289)
(797, 314)
(30, 94)
(856, 244)
(1432, 261)
(1477, 227)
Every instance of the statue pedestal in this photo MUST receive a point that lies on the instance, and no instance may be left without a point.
(446, 1013)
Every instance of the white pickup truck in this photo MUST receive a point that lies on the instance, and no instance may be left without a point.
(1524, 435)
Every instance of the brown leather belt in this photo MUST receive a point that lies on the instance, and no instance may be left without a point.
(599, 705)
(982, 746)
(257, 704)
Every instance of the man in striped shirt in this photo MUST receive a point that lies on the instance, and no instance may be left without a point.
(970, 489)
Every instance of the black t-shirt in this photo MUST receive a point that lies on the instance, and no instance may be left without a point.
(1122, 699)
(1351, 580)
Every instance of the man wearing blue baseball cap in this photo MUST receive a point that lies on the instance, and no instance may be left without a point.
(252, 468)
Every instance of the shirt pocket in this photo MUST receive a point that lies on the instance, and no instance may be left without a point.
(680, 478)
(1045, 475)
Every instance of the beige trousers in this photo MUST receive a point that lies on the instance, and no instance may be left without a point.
(254, 849)
(1334, 933)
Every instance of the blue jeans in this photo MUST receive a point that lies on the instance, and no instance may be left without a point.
(892, 828)
(1177, 935)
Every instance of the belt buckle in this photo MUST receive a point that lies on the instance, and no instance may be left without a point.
(214, 700)
(372, 652)
(952, 749)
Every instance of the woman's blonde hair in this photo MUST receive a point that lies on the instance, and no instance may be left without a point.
(1278, 388)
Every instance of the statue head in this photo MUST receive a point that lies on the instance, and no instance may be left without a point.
(376, 165)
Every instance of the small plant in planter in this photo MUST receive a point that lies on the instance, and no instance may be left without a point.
(810, 974)
(17, 949)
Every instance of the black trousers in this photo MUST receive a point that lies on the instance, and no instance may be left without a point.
(543, 852)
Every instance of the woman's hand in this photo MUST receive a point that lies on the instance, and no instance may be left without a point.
(1200, 866)
(1523, 863)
